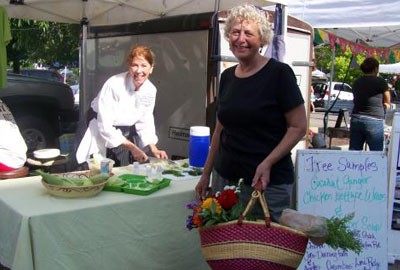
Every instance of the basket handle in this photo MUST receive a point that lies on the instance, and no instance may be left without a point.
(256, 195)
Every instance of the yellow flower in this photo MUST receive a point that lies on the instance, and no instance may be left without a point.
(206, 204)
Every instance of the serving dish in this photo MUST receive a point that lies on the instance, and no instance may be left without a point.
(47, 153)
(138, 184)
(74, 191)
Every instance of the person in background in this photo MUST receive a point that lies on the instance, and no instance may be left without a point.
(120, 121)
(260, 118)
(395, 82)
(312, 99)
(12, 145)
(395, 87)
(371, 99)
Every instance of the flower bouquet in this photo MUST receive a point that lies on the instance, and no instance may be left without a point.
(232, 239)
(223, 207)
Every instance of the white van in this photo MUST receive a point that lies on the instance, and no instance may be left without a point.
(343, 90)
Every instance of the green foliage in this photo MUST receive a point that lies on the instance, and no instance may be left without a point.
(323, 57)
(339, 235)
(42, 42)
(343, 71)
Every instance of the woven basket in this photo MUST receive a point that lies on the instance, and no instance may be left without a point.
(261, 244)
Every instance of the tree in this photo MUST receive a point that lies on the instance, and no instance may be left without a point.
(344, 69)
(42, 42)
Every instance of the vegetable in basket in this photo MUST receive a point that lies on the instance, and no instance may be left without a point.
(59, 180)
(334, 231)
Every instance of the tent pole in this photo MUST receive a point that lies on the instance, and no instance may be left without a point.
(332, 71)
(83, 80)
(328, 108)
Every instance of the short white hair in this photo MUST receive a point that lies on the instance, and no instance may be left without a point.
(250, 13)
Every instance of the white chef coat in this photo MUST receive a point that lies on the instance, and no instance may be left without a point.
(118, 104)
(12, 145)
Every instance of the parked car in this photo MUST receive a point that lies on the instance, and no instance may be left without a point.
(339, 91)
(46, 74)
(43, 109)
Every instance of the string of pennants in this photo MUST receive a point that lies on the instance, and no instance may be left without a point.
(387, 55)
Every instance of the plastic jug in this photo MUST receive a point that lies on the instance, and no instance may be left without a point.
(199, 143)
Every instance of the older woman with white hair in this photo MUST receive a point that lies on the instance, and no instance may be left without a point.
(260, 117)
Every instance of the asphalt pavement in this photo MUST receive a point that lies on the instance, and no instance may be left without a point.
(319, 120)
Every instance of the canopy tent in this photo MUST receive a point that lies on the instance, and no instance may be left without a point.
(376, 23)
(373, 24)
(390, 68)
(366, 26)
(112, 12)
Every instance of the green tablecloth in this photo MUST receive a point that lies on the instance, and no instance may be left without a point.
(109, 231)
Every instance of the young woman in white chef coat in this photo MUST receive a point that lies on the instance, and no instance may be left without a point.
(120, 120)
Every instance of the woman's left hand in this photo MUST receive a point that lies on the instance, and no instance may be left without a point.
(262, 176)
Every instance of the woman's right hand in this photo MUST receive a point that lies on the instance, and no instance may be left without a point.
(139, 155)
(202, 188)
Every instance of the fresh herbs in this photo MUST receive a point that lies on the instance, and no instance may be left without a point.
(340, 236)
(185, 165)
(179, 171)
(195, 171)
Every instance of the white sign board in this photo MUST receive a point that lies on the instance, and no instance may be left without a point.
(336, 183)
(394, 192)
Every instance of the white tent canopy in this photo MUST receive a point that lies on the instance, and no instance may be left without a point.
(377, 23)
(390, 68)
(107, 12)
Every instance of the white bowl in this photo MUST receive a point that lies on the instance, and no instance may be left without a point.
(48, 153)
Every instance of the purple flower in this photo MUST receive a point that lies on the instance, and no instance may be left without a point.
(189, 223)
(191, 205)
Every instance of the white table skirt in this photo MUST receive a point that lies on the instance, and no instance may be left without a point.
(109, 231)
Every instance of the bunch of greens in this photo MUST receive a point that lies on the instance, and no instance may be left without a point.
(185, 167)
(176, 173)
(340, 236)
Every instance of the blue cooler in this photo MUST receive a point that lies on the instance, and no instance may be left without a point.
(199, 144)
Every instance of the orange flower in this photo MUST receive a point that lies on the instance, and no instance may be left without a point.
(196, 220)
